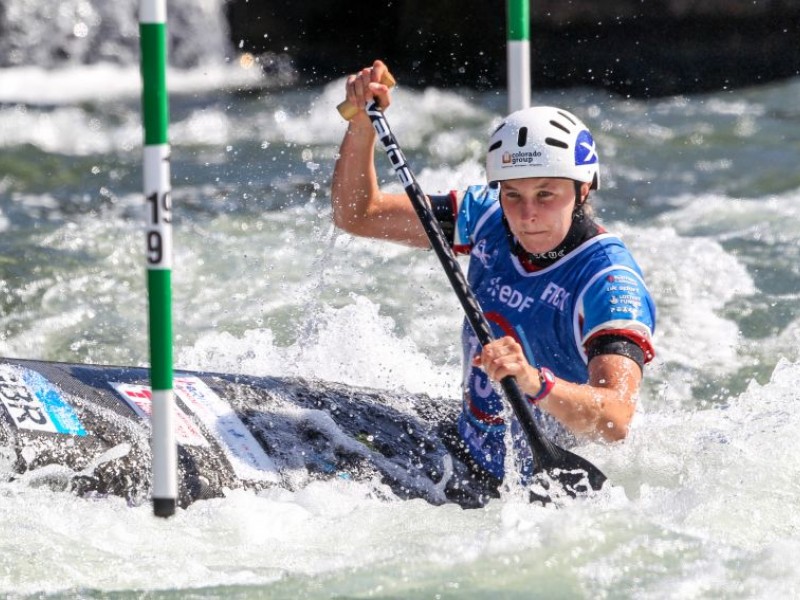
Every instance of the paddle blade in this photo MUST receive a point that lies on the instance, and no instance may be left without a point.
(566, 475)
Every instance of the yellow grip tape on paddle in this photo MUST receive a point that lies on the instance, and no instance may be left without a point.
(348, 110)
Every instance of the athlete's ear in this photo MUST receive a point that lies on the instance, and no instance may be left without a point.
(583, 194)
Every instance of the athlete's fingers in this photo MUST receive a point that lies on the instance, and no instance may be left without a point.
(503, 347)
(504, 366)
(501, 358)
(381, 94)
(505, 357)
(378, 70)
(510, 343)
(358, 91)
(361, 86)
(350, 89)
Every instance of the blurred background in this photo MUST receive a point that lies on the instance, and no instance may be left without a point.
(641, 48)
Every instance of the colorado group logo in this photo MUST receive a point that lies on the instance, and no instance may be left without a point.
(512, 159)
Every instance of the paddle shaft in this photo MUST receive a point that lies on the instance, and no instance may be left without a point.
(545, 453)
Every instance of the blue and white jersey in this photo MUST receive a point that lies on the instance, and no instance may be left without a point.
(596, 289)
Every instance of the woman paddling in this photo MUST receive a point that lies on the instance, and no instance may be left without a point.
(566, 296)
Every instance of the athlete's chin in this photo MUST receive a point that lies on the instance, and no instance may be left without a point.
(536, 243)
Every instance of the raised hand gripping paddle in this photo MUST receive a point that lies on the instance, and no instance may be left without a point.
(552, 464)
(348, 110)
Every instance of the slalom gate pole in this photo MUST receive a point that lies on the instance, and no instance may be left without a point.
(518, 54)
(158, 231)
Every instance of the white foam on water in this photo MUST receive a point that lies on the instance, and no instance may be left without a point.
(354, 345)
(410, 117)
(103, 82)
(44, 107)
(690, 294)
(764, 219)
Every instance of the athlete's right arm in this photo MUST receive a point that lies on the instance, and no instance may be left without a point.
(359, 206)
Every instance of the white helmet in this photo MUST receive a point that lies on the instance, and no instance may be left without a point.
(542, 141)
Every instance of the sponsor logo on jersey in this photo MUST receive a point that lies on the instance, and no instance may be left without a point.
(625, 294)
(555, 295)
(509, 296)
(479, 252)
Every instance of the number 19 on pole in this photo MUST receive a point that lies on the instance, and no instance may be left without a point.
(159, 208)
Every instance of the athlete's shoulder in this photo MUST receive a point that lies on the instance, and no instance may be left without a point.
(607, 250)
(478, 196)
(474, 208)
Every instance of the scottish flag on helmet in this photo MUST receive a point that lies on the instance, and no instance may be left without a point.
(585, 151)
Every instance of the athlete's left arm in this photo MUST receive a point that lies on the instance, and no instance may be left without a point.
(601, 408)
(604, 406)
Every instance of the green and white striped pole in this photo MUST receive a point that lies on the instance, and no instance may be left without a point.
(518, 54)
(155, 114)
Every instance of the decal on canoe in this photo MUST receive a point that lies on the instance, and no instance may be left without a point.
(35, 404)
(245, 454)
(140, 399)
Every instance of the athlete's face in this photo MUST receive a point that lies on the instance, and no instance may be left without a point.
(539, 210)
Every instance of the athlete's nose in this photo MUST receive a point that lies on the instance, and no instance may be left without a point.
(528, 210)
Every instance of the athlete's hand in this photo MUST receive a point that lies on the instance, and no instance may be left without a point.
(504, 357)
(364, 86)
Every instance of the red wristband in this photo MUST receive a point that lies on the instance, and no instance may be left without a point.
(546, 383)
